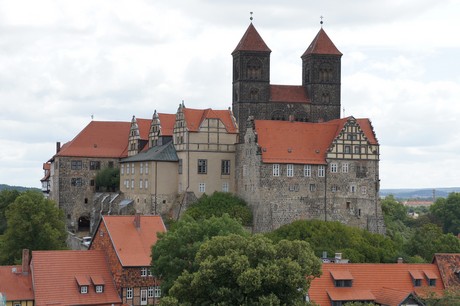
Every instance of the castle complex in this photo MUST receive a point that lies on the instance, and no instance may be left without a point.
(282, 148)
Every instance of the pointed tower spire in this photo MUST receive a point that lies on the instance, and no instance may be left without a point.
(322, 44)
(251, 41)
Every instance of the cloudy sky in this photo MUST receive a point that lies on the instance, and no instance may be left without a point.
(62, 62)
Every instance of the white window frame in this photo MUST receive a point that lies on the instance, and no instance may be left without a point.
(151, 292)
(141, 169)
(352, 188)
(84, 289)
(289, 170)
(127, 168)
(276, 169)
(202, 187)
(225, 187)
(307, 170)
(321, 170)
(129, 293)
(146, 183)
(141, 184)
(334, 167)
(122, 169)
(345, 167)
(146, 168)
(157, 291)
(144, 272)
(132, 168)
(132, 184)
(99, 288)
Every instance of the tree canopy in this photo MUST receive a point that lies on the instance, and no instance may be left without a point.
(108, 178)
(220, 203)
(447, 211)
(355, 244)
(6, 198)
(175, 250)
(248, 270)
(34, 223)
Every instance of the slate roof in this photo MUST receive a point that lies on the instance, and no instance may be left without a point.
(99, 139)
(165, 152)
(377, 280)
(302, 142)
(195, 117)
(251, 41)
(288, 94)
(322, 44)
(15, 285)
(133, 245)
(55, 276)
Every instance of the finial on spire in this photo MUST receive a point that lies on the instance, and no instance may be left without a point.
(250, 18)
(321, 22)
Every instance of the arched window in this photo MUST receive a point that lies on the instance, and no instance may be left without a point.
(254, 68)
(254, 94)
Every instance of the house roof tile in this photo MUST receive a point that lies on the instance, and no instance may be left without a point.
(350, 294)
(322, 44)
(449, 268)
(373, 278)
(133, 245)
(391, 296)
(341, 275)
(195, 117)
(167, 123)
(55, 275)
(14, 284)
(251, 41)
(107, 139)
(288, 94)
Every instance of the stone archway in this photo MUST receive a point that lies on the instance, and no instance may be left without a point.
(83, 223)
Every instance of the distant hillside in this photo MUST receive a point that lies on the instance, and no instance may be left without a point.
(425, 193)
(18, 188)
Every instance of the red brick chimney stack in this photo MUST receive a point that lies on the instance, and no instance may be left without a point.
(58, 147)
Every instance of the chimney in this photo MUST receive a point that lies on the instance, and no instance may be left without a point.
(25, 261)
(58, 147)
(338, 257)
(400, 260)
(137, 220)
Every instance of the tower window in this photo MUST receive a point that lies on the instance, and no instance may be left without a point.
(254, 94)
(254, 69)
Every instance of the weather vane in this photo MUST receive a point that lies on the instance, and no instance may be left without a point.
(321, 22)
(250, 18)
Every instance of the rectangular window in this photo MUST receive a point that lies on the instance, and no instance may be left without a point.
(122, 169)
(129, 293)
(92, 182)
(276, 170)
(151, 291)
(141, 169)
(180, 166)
(76, 181)
(432, 282)
(99, 289)
(202, 166)
(343, 283)
(146, 168)
(141, 184)
(345, 167)
(417, 282)
(202, 187)
(132, 184)
(94, 165)
(320, 171)
(363, 189)
(225, 167)
(312, 187)
(352, 188)
(334, 188)
(132, 168)
(84, 289)
(76, 164)
(146, 183)
(333, 167)
(225, 187)
(157, 291)
(307, 170)
(245, 170)
(347, 149)
(144, 272)
(357, 149)
(127, 168)
(290, 170)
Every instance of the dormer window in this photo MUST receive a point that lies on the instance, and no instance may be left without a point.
(342, 278)
(430, 278)
(83, 289)
(98, 283)
(83, 283)
(99, 288)
(416, 278)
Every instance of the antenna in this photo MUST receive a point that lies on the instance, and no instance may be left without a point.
(321, 22)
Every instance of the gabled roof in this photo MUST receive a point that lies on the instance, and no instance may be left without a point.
(133, 245)
(302, 142)
(449, 268)
(15, 285)
(101, 139)
(288, 94)
(371, 279)
(56, 275)
(165, 152)
(195, 117)
(167, 123)
(322, 44)
(251, 41)
(144, 127)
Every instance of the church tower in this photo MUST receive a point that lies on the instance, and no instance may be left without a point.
(251, 75)
(321, 65)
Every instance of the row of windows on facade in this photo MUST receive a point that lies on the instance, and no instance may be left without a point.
(152, 291)
(130, 169)
(93, 165)
(307, 169)
(313, 187)
(97, 288)
(202, 167)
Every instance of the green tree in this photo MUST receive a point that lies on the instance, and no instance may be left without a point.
(175, 250)
(34, 223)
(248, 270)
(220, 203)
(6, 198)
(108, 178)
(429, 239)
(447, 211)
(355, 244)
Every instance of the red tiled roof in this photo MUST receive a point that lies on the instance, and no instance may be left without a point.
(322, 44)
(391, 296)
(350, 294)
(55, 273)
(288, 93)
(416, 274)
(251, 41)
(449, 268)
(46, 166)
(15, 285)
(133, 245)
(99, 139)
(364, 124)
(167, 124)
(195, 117)
(144, 127)
(341, 275)
(373, 278)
